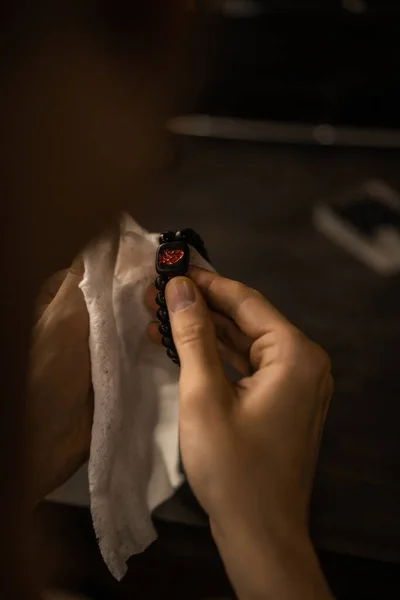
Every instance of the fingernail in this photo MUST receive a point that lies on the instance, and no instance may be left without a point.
(180, 294)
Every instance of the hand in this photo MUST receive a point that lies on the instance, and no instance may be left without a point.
(60, 406)
(250, 448)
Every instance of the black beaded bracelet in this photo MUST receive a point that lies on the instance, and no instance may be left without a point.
(173, 260)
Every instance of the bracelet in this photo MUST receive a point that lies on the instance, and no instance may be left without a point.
(173, 260)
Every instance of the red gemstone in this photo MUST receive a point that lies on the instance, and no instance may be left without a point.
(170, 257)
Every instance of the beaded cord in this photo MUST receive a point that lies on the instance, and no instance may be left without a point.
(172, 260)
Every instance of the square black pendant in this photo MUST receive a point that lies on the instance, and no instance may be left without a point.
(173, 259)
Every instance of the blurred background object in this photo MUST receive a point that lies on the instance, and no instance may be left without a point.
(366, 222)
(303, 72)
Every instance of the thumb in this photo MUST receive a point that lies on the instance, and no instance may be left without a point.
(194, 335)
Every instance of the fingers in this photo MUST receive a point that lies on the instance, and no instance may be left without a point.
(245, 322)
(233, 345)
(153, 333)
(194, 336)
(227, 332)
(150, 299)
(238, 361)
(252, 313)
(230, 335)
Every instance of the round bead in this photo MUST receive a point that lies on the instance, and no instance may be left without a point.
(192, 237)
(162, 315)
(172, 354)
(160, 300)
(181, 236)
(189, 232)
(168, 342)
(161, 283)
(167, 236)
(165, 329)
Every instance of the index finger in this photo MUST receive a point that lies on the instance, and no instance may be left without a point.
(253, 314)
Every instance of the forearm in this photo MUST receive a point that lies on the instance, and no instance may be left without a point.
(277, 568)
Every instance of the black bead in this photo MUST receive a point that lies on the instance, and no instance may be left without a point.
(160, 300)
(192, 237)
(181, 236)
(172, 354)
(167, 236)
(161, 283)
(162, 315)
(200, 245)
(189, 232)
(165, 329)
(168, 342)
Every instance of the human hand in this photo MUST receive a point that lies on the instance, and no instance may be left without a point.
(250, 448)
(60, 408)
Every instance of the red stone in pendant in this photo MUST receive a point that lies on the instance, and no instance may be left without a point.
(170, 257)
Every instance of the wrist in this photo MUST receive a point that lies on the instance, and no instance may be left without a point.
(263, 566)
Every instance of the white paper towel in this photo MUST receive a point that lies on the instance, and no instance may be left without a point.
(134, 457)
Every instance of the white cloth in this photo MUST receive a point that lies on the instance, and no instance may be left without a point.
(134, 456)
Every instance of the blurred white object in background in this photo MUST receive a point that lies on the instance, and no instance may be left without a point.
(231, 128)
(366, 223)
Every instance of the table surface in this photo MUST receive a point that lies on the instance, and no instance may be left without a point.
(259, 198)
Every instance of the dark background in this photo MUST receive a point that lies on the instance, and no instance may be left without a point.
(309, 62)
